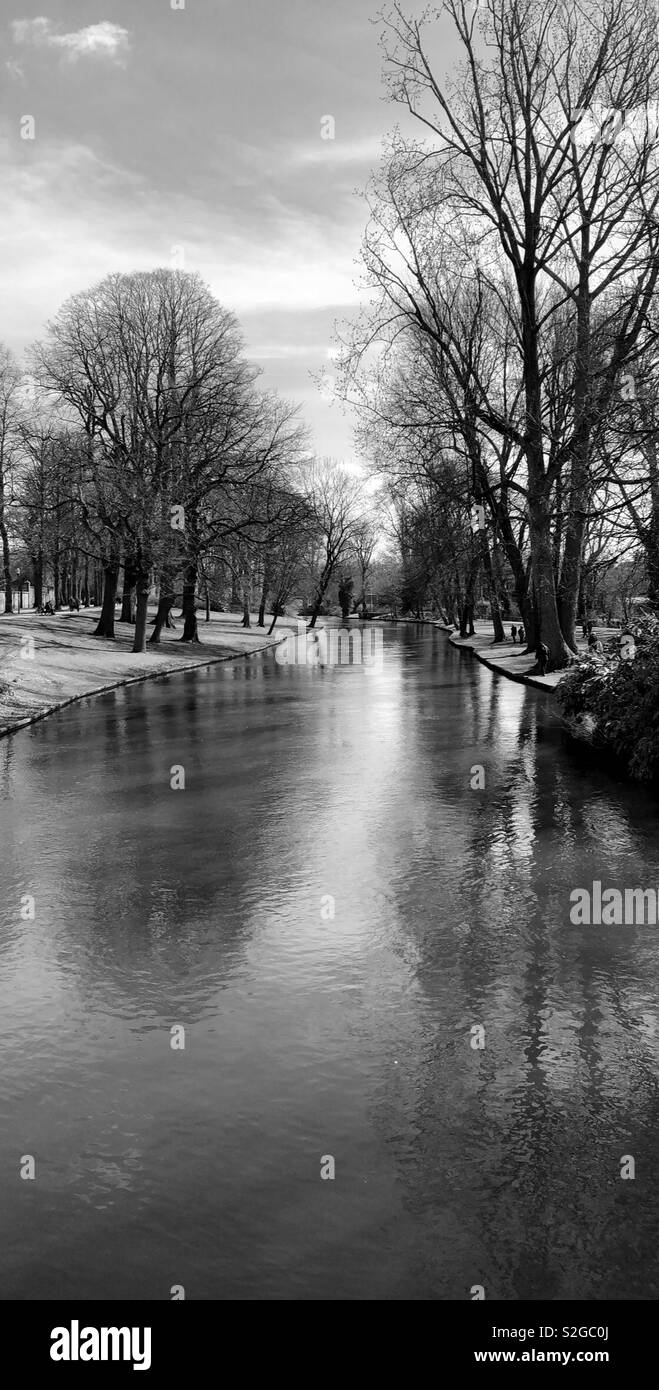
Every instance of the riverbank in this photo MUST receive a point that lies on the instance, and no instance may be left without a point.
(508, 659)
(49, 662)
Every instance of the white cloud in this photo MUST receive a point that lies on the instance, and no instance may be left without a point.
(104, 40)
(30, 30)
(338, 152)
(15, 70)
(71, 216)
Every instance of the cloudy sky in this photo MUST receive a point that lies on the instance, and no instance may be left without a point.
(192, 136)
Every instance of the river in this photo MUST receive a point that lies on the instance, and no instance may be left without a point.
(327, 908)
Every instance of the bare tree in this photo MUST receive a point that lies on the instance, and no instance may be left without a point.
(10, 434)
(508, 185)
(146, 361)
(335, 499)
(364, 545)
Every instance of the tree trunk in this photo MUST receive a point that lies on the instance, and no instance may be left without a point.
(247, 598)
(105, 627)
(323, 586)
(190, 630)
(531, 628)
(538, 500)
(498, 504)
(166, 602)
(142, 586)
(568, 592)
(501, 587)
(467, 614)
(499, 634)
(362, 606)
(575, 533)
(528, 608)
(37, 575)
(515, 559)
(264, 599)
(648, 534)
(550, 631)
(9, 598)
(495, 609)
(127, 614)
(531, 624)
(207, 598)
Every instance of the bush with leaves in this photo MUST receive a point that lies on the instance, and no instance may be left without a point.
(581, 688)
(618, 701)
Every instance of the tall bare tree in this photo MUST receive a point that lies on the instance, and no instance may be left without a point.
(10, 434)
(335, 500)
(550, 212)
(144, 360)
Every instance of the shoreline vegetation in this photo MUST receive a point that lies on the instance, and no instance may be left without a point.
(605, 704)
(47, 663)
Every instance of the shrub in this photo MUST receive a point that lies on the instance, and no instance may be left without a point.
(621, 698)
(581, 688)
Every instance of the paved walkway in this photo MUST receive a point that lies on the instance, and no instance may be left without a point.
(508, 659)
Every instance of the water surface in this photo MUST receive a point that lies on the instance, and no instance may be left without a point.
(310, 792)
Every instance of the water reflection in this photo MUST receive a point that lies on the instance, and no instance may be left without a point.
(328, 908)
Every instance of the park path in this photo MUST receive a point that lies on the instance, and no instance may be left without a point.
(508, 659)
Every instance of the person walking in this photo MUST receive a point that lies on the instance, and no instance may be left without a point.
(513, 633)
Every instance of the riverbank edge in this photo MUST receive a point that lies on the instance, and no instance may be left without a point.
(581, 746)
(123, 682)
(160, 674)
(545, 683)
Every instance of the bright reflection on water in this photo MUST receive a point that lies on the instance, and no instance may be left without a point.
(308, 1036)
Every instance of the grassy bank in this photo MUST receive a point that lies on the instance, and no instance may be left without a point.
(46, 663)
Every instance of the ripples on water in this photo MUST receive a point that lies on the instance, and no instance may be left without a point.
(308, 1035)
